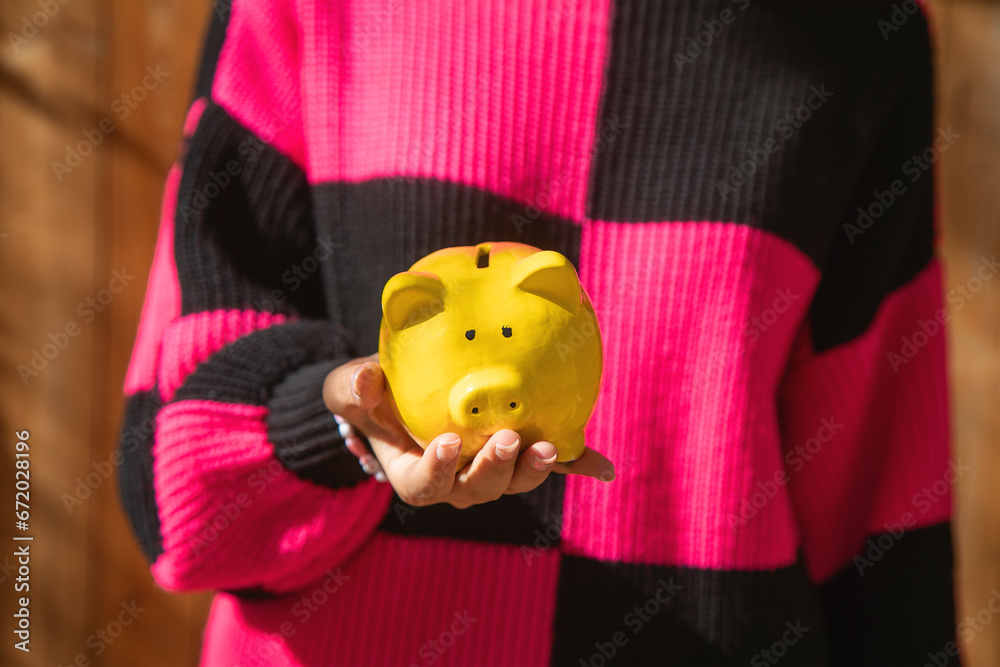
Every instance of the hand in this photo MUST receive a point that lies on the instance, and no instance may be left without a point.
(356, 391)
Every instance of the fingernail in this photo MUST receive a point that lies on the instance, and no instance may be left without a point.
(448, 451)
(542, 465)
(606, 475)
(507, 452)
(359, 381)
(380, 476)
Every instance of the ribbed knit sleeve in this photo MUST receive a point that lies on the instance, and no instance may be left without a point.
(746, 191)
(864, 403)
(233, 473)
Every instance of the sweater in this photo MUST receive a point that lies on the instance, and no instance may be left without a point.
(746, 189)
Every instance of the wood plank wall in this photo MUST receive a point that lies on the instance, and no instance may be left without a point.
(64, 240)
(968, 94)
(62, 236)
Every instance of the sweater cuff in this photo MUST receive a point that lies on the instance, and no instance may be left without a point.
(282, 368)
(304, 433)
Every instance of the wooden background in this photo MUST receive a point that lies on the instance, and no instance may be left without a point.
(60, 242)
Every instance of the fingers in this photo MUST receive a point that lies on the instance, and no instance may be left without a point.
(490, 473)
(355, 446)
(355, 386)
(427, 477)
(591, 463)
(369, 463)
(533, 465)
(354, 392)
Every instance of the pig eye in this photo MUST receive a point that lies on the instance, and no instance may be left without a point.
(470, 334)
(507, 333)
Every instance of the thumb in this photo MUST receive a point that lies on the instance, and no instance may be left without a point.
(591, 463)
(358, 384)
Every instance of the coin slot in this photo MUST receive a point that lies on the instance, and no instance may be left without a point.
(483, 256)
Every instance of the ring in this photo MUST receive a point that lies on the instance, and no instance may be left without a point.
(366, 458)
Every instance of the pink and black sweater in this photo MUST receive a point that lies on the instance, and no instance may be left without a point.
(774, 397)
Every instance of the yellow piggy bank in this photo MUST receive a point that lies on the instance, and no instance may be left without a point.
(499, 335)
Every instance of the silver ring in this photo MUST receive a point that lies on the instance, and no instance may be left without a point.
(346, 430)
(369, 463)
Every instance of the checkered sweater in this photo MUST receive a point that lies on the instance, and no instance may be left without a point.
(746, 190)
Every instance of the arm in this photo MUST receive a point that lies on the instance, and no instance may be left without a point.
(865, 406)
(233, 473)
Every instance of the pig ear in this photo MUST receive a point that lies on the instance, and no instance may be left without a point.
(410, 298)
(550, 276)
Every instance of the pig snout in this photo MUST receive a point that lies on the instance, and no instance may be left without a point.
(489, 400)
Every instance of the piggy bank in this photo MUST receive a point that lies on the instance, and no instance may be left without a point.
(499, 335)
